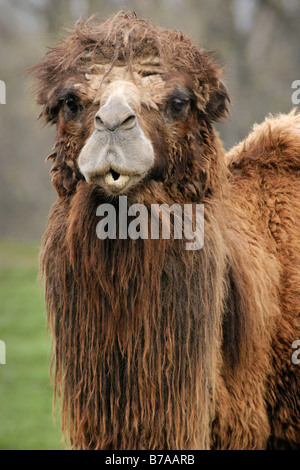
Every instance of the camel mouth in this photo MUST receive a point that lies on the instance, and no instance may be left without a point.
(115, 174)
(115, 182)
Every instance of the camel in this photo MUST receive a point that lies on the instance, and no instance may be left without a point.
(157, 346)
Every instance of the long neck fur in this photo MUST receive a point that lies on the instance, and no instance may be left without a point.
(137, 326)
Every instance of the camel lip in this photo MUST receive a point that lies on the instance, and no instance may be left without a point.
(114, 171)
(115, 182)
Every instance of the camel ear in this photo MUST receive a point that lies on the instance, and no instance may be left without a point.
(217, 106)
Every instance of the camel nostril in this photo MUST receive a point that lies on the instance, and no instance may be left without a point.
(129, 120)
(113, 117)
(98, 122)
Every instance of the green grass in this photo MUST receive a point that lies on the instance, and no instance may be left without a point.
(25, 387)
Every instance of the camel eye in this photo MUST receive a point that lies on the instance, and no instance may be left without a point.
(71, 104)
(178, 104)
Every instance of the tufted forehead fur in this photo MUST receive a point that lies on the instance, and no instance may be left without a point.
(127, 40)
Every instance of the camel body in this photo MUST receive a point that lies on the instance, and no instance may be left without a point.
(157, 346)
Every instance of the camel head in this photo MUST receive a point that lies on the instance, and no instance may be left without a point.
(133, 104)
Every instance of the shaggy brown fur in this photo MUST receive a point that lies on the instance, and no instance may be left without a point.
(157, 347)
(266, 168)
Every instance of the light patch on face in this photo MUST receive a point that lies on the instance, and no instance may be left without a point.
(149, 90)
(122, 91)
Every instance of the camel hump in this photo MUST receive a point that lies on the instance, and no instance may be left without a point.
(275, 143)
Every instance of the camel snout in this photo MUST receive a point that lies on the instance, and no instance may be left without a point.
(114, 115)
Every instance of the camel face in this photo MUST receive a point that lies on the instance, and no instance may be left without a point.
(133, 115)
(118, 154)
